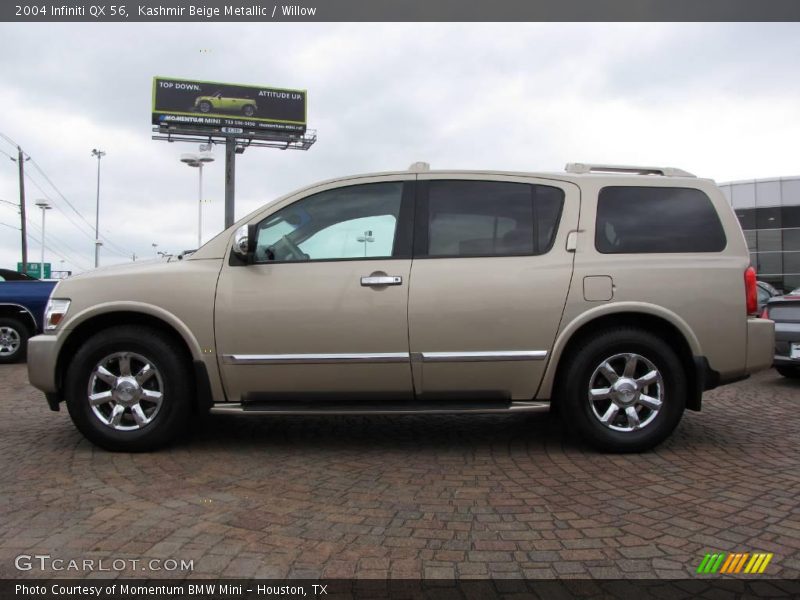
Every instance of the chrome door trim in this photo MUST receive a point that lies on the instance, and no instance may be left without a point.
(383, 357)
(499, 355)
(314, 359)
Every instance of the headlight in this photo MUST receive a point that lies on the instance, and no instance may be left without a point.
(54, 313)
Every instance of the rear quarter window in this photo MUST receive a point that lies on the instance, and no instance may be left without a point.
(638, 219)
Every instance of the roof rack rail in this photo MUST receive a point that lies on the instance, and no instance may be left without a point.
(584, 168)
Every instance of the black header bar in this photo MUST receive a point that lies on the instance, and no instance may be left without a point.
(159, 11)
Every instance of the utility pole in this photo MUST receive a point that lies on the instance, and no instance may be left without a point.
(21, 163)
(99, 154)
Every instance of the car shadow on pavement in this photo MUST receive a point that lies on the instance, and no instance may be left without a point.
(380, 431)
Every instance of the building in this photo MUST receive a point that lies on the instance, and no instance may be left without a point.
(769, 212)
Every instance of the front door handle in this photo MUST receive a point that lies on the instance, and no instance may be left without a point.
(381, 280)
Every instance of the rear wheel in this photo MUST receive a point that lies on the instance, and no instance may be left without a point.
(128, 389)
(205, 106)
(623, 391)
(13, 340)
(790, 372)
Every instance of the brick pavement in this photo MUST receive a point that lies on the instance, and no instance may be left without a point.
(435, 497)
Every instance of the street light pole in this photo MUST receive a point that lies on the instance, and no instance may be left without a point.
(45, 207)
(198, 161)
(99, 154)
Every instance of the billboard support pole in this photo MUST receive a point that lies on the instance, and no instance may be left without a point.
(230, 179)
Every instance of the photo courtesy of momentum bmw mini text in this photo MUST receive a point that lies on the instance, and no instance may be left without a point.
(408, 300)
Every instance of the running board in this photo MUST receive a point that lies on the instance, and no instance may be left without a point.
(389, 408)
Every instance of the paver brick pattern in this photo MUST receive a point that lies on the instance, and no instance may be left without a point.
(407, 496)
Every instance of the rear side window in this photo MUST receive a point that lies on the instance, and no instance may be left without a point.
(491, 218)
(634, 220)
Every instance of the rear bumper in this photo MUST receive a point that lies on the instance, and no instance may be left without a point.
(786, 334)
(760, 344)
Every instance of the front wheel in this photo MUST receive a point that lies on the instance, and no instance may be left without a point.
(204, 107)
(249, 110)
(128, 389)
(13, 340)
(624, 390)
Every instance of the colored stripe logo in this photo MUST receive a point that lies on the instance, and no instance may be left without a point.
(735, 563)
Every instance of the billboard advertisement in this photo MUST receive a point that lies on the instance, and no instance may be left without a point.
(214, 106)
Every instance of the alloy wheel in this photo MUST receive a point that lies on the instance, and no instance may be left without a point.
(125, 391)
(626, 392)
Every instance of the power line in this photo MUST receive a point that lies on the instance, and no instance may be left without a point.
(55, 249)
(110, 245)
(64, 198)
(12, 227)
(76, 263)
(58, 240)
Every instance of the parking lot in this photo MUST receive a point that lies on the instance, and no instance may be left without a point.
(434, 497)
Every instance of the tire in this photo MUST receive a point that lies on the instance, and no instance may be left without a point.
(249, 110)
(585, 371)
(158, 421)
(14, 336)
(789, 372)
(205, 107)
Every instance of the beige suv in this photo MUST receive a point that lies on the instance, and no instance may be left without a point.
(615, 294)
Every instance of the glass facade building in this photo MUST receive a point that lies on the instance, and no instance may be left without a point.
(769, 212)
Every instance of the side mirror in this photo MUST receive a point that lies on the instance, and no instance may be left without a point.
(244, 243)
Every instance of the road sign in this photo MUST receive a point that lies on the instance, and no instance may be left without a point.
(33, 269)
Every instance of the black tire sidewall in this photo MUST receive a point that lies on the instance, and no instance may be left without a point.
(578, 412)
(23, 333)
(248, 110)
(164, 355)
(205, 107)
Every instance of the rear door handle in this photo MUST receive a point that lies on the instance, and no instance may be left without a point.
(381, 280)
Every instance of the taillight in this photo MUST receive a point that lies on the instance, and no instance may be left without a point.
(750, 290)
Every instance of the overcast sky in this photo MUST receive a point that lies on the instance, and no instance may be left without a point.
(720, 100)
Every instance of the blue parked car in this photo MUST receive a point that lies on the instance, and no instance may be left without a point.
(22, 303)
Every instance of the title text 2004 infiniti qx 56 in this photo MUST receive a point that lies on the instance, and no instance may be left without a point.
(619, 294)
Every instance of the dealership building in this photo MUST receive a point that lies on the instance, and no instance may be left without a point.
(769, 212)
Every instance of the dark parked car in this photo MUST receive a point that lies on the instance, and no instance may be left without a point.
(785, 311)
(22, 303)
(765, 292)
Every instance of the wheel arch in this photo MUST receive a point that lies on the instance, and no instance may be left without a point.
(84, 325)
(648, 317)
(21, 314)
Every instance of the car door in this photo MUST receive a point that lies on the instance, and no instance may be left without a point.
(489, 282)
(323, 309)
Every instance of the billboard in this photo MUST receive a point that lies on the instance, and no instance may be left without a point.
(214, 106)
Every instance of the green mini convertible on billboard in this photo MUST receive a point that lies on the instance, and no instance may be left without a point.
(218, 102)
(211, 106)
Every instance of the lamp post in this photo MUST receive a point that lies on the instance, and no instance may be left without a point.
(154, 245)
(198, 161)
(99, 154)
(45, 207)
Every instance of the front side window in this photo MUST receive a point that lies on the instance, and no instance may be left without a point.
(491, 218)
(633, 219)
(358, 221)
